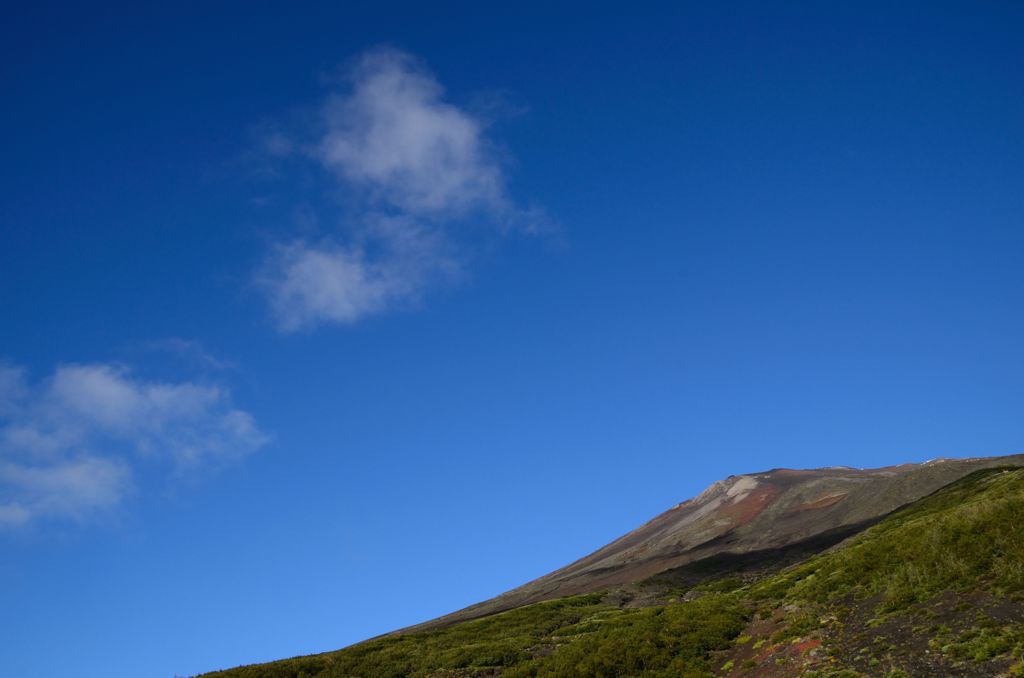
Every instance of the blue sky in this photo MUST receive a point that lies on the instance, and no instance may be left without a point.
(322, 321)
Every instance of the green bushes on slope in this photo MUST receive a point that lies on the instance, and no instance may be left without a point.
(965, 536)
(568, 637)
(673, 640)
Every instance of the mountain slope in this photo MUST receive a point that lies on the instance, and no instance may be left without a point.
(936, 589)
(782, 513)
(932, 589)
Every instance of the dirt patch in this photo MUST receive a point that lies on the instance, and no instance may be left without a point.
(914, 639)
(852, 635)
(751, 505)
(824, 502)
(759, 652)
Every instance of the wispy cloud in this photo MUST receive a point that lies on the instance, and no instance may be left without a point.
(191, 351)
(71, 445)
(70, 488)
(411, 167)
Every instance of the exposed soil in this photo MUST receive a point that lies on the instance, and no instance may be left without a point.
(855, 637)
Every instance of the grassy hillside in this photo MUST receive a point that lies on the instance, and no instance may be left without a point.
(969, 535)
(934, 589)
(568, 637)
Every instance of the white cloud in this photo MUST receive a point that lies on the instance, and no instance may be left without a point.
(397, 148)
(394, 135)
(74, 488)
(328, 282)
(392, 262)
(12, 386)
(71, 445)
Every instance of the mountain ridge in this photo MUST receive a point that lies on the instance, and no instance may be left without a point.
(739, 514)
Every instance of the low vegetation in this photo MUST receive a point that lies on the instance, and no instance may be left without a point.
(578, 636)
(963, 537)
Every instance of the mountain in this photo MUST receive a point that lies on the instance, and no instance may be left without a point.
(765, 517)
(845, 562)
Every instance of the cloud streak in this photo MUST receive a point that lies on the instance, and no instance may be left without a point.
(413, 169)
(73, 445)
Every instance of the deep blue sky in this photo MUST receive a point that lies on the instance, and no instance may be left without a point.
(774, 236)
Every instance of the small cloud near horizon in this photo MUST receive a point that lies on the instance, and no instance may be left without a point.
(72, 445)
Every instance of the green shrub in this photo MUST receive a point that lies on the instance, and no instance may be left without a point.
(962, 537)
